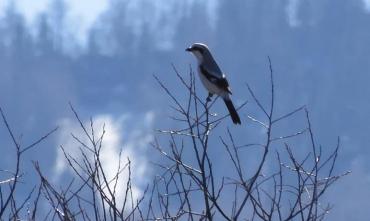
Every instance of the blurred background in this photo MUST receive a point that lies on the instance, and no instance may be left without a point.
(101, 56)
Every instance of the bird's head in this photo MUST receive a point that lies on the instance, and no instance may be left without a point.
(199, 50)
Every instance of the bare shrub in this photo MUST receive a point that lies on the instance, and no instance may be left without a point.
(194, 181)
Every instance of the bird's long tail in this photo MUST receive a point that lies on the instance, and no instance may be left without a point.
(234, 115)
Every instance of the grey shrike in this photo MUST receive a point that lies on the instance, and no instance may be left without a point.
(212, 77)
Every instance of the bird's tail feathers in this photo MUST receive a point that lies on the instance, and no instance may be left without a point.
(233, 113)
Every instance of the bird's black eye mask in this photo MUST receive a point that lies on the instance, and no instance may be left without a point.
(201, 50)
(196, 48)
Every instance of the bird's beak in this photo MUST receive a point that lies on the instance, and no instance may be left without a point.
(188, 49)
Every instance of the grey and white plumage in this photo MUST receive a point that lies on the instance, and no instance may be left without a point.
(212, 77)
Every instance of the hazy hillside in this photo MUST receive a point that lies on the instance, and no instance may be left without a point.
(319, 51)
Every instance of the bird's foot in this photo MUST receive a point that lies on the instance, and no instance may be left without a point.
(209, 97)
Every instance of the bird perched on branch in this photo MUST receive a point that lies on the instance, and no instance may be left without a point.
(212, 77)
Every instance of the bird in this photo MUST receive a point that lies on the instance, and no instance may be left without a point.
(213, 79)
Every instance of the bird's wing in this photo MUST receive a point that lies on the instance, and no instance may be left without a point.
(220, 81)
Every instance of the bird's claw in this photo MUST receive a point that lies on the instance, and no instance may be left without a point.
(209, 97)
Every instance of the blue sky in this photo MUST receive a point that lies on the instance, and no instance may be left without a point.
(319, 53)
